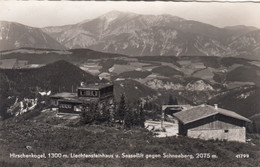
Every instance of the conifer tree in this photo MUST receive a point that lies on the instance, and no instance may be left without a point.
(139, 118)
(172, 101)
(87, 115)
(136, 117)
(142, 117)
(83, 116)
(129, 119)
(96, 113)
(121, 109)
(175, 101)
(150, 105)
(145, 105)
(105, 115)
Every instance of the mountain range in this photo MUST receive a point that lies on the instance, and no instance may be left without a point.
(15, 35)
(138, 35)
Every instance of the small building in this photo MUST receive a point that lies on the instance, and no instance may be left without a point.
(100, 93)
(172, 109)
(208, 122)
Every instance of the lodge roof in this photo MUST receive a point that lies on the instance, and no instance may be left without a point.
(204, 111)
(176, 107)
(64, 95)
(95, 86)
(78, 100)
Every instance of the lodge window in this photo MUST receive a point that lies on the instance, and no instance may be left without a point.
(85, 93)
(82, 93)
(226, 131)
(65, 106)
(94, 93)
(77, 108)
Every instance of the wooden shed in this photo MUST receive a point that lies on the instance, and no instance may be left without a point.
(208, 122)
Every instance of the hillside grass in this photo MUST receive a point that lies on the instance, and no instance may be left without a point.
(166, 71)
(245, 74)
(243, 100)
(134, 74)
(58, 138)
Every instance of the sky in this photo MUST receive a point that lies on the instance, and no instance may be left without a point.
(55, 13)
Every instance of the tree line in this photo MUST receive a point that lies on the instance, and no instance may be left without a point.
(127, 115)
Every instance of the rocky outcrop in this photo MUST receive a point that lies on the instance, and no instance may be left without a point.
(199, 85)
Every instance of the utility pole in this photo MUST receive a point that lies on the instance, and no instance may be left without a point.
(162, 118)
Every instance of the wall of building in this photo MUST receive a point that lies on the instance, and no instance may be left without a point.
(88, 93)
(235, 134)
(182, 129)
(66, 107)
(106, 92)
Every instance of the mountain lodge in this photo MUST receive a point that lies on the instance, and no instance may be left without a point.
(101, 93)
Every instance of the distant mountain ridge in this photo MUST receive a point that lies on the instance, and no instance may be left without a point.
(15, 35)
(152, 35)
(241, 28)
(247, 44)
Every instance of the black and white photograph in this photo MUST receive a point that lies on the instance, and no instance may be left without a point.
(129, 83)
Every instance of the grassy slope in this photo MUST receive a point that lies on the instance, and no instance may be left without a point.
(53, 137)
(247, 105)
(133, 90)
(134, 74)
(166, 71)
(245, 74)
(256, 119)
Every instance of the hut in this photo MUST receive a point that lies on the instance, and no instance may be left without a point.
(208, 122)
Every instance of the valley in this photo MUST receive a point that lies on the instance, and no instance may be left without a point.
(191, 79)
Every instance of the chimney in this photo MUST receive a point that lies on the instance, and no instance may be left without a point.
(216, 106)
